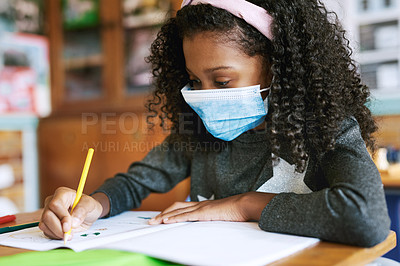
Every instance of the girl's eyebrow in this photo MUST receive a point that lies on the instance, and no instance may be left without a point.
(218, 68)
(209, 70)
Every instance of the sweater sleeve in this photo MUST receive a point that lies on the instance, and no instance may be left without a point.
(162, 168)
(352, 210)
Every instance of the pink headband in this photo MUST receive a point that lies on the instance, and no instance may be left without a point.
(252, 14)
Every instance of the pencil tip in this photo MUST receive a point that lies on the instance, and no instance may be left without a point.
(65, 238)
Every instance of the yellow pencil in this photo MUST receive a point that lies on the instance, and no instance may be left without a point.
(80, 186)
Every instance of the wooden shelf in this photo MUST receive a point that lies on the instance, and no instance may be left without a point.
(82, 62)
(114, 95)
(150, 19)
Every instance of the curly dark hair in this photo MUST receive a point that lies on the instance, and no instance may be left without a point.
(315, 83)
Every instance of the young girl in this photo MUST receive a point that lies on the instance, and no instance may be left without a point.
(268, 118)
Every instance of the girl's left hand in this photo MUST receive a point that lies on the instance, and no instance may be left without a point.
(238, 208)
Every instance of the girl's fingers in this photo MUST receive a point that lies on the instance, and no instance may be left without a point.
(174, 210)
(178, 205)
(82, 210)
(46, 231)
(190, 216)
(61, 202)
(56, 217)
(51, 224)
(210, 210)
(179, 211)
(47, 200)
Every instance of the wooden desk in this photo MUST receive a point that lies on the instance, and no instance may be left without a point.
(390, 181)
(391, 184)
(391, 177)
(323, 253)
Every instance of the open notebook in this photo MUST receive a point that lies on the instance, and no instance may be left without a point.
(193, 243)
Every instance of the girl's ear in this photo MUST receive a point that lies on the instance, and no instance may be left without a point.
(269, 75)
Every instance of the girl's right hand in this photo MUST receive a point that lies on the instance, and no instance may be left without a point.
(56, 218)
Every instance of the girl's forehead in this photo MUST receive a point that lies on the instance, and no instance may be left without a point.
(206, 44)
(211, 40)
(205, 36)
(206, 52)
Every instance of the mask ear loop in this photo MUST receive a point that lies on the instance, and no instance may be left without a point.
(265, 101)
(266, 104)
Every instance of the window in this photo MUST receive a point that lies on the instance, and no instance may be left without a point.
(379, 36)
(364, 4)
(381, 77)
(387, 3)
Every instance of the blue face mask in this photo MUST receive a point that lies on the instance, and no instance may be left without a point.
(227, 113)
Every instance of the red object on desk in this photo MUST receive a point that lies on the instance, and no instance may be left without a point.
(7, 218)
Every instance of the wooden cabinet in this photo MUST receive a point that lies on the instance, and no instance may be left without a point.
(99, 88)
(97, 50)
(118, 141)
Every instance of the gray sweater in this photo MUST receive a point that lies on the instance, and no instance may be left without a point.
(339, 197)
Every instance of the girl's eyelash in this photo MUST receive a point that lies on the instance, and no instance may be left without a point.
(219, 83)
(222, 83)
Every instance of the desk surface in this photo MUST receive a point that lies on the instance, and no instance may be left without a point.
(391, 177)
(390, 181)
(323, 253)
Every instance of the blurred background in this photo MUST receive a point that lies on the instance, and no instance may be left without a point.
(73, 76)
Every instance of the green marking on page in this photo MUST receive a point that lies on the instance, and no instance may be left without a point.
(96, 234)
(94, 257)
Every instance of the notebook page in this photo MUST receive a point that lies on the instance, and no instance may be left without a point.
(216, 243)
(103, 231)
